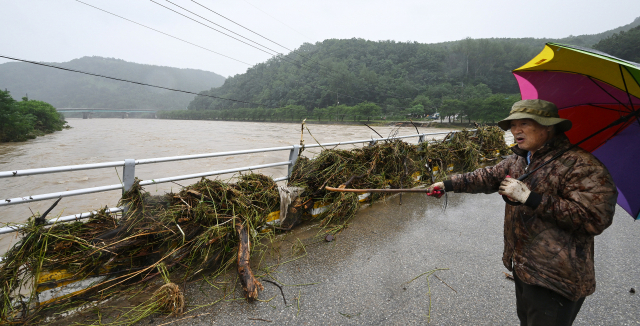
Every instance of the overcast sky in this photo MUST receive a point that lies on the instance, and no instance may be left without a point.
(61, 30)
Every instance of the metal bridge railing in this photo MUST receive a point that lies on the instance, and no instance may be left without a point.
(129, 174)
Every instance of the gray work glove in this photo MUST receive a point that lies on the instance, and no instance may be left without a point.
(436, 190)
(514, 189)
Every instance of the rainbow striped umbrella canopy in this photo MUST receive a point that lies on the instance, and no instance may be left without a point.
(593, 89)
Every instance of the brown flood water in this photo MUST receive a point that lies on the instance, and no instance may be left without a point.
(106, 140)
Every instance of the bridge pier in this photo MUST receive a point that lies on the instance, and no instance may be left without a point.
(85, 115)
(125, 115)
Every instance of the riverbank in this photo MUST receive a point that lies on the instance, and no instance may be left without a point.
(390, 123)
(373, 123)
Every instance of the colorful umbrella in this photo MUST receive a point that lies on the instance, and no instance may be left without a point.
(593, 90)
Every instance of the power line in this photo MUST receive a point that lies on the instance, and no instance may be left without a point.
(129, 20)
(155, 30)
(203, 24)
(280, 54)
(226, 29)
(294, 51)
(191, 12)
(264, 12)
(278, 44)
(277, 19)
(282, 46)
(128, 81)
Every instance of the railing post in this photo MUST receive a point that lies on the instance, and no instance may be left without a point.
(373, 142)
(128, 174)
(420, 141)
(293, 157)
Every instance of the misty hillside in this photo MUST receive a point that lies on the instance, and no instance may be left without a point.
(72, 90)
(586, 40)
(624, 45)
(388, 73)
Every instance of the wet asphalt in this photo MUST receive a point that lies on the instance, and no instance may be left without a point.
(362, 277)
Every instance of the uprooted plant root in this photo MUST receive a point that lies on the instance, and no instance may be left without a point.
(169, 299)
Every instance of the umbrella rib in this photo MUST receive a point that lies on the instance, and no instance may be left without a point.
(633, 108)
(624, 81)
(613, 97)
(621, 128)
(615, 133)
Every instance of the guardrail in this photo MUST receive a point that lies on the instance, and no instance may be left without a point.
(129, 174)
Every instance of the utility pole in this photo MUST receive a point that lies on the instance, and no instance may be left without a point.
(337, 102)
(467, 65)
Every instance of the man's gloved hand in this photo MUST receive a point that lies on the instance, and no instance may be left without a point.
(514, 189)
(436, 190)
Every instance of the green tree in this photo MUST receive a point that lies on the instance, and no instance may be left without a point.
(426, 103)
(368, 110)
(451, 107)
(14, 125)
(47, 118)
(415, 111)
(24, 120)
(496, 107)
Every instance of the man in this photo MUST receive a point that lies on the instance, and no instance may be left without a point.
(548, 241)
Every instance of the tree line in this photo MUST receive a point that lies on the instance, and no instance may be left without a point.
(443, 101)
(27, 119)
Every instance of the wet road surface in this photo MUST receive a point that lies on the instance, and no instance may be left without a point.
(362, 276)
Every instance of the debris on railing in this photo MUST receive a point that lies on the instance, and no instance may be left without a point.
(210, 225)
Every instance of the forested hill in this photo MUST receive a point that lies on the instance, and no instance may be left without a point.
(65, 89)
(391, 74)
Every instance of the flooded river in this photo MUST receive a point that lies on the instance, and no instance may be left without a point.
(107, 140)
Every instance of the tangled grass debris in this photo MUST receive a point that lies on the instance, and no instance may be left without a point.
(208, 226)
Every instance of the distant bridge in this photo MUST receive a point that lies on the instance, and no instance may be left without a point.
(88, 112)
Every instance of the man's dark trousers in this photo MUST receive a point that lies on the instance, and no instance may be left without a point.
(538, 306)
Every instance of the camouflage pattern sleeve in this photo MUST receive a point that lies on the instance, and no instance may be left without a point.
(484, 180)
(586, 200)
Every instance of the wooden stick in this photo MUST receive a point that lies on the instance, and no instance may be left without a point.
(260, 319)
(280, 287)
(250, 284)
(374, 190)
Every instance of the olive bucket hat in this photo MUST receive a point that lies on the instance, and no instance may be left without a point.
(543, 112)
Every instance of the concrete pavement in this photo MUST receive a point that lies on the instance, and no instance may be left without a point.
(362, 276)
